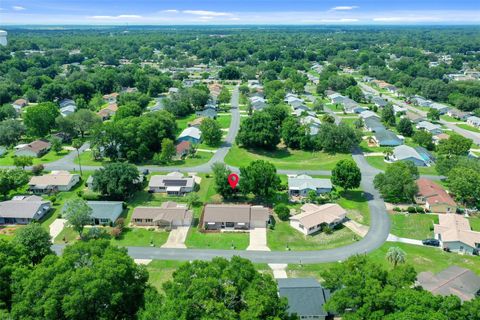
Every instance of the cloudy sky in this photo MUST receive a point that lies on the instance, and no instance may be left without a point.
(165, 12)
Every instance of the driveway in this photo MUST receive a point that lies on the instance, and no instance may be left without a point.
(176, 238)
(393, 238)
(56, 227)
(258, 240)
(279, 270)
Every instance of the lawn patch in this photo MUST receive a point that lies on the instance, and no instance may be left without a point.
(413, 226)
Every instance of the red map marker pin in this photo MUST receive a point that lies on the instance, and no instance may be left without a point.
(233, 180)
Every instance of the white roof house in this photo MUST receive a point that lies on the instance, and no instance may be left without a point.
(407, 153)
(454, 232)
(367, 114)
(314, 217)
(192, 134)
(300, 185)
(430, 127)
(473, 121)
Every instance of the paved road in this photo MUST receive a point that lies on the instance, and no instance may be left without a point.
(376, 236)
(466, 133)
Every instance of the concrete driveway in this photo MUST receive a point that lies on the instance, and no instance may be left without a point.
(56, 227)
(176, 238)
(258, 239)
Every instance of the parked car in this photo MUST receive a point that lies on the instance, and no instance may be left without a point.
(431, 242)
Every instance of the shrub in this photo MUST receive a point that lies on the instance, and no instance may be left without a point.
(37, 169)
(53, 199)
(282, 211)
(80, 193)
(116, 232)
(411, 210)
(397, 209)
(327, 230)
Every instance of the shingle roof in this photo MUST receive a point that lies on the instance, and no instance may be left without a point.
(306, 296)
(404, 152)
(434, 193)
(36, 146)
(313, 215)
(171, 180)
(167, 212)
(234, 213)
(303, 182)
(387, 137)
(55, 178)
(21, 207)
(106, 209)
(454, 227)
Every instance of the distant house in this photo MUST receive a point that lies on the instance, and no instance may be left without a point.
(169, 214)
(314, 217)
(23, 210)
(429, 127)
(182, 149)
(3, 150)
(473, 121)
(441, 108)
(349, 105)
(305, 296)
(53, 182)
(191, 134)
(234, 216)
(300, 185)
(207, 113)
(386, 138)
(108, 112)
(300, 112)
(454, 280)
(368, 114)
(312, 122)
(111, 98)
(457, 114)
(34, 149)
(19, 104)
(434, 197)
(454, 232)
(421, 101)
(414, 117)
(419, 156)
(439, 137)
(66, 102)
(379, 102)
(335, 97)
(373, 124)
(399, 110)
(104, 212)
(65, 111)
(173, 183)
(257, 103)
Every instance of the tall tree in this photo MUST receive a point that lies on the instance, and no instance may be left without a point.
(10, 132)
(78, 214)
(220, 176)
(455, 145)
(12, 179)
(397, 183)
(346, 174)
(36, 241)
(388, 115)
(117, 181)
(40, 119)
(211, 132)
(260, 178)
(405, 127)
(259, 130)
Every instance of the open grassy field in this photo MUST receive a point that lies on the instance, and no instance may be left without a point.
(220, 240)
(285, 158)
(413, 226)
(447, 118)
(224, 120)
(7, 159)
(284, 235)
(377, 162)
(356, 204)
(467, 127)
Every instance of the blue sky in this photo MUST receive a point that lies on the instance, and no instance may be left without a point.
(165, 12)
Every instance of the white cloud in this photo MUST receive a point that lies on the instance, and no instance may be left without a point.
(205, 18)
(122, 16)
(207, 13)
(171, 11)
(344, 8)
(18, 8)
(343, 20)
(407, 19)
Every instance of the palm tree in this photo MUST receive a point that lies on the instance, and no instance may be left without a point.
(395, 256)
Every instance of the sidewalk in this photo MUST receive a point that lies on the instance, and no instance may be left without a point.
(393, 238)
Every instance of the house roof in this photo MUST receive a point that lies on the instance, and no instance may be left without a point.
(36, 146)
(183, 146)
(373, 123)
(106, 209)
(454, 280)
(404, 152)
(172, 179)
(379, 101)
(428, 126)
(313, 215)
(191, 132)
(305, 296)
(55, 178)
(242, 213)
(387, 137)
(456, 228)
(167, 212)
(433, 193)
(20, 102)
(208, 112)
(368, 114)
(302, 182)
(21, 207)
(474, 119)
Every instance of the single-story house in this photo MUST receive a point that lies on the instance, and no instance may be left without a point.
(434, 197)
(335, 98)
(3, 150)
(66, 102)
(441, 108)
(439, 137)
(373, 124)
(182, 149)
(111, 98)
(35, 148)
(414, 117)
(169, 214)
(234, 216)
(207, 113)
(473, 121)
(314, 217)
(105, 212)
(23, 209)
(421, 101)
(368, 114)
(454, 232)
(399, 110)
(387, 138)
(191, 134)
(419, 156)
(457, 114)
(312, 122)
(300, 185)
(305, 296)
(349, 105)
(454, 280)
(19, 104)
(258, 104)
(53, 182)
(299, 112)
(65, 111)
(378, 101)
(108, 112)
(173, 183)
(430, 127)
(392, 89)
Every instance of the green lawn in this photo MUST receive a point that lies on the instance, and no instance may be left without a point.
(285, 159)
(366, 148)
(448, 118)
(356, 204)
(283, 234)
(414, 226)
(377, 162)
(217, 240)
(467, 127)
(182, 123)
(475, 223)
(201, 157)
(349, 121)
(161, 271)
(7, 159)
(224, 120)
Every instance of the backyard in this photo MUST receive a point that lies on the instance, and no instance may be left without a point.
(379, 163)
(7, 159)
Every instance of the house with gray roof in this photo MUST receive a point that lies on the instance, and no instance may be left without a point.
(441, 108)
(429, 127)
(173, 183)
(207, 113)
(454, 280)
(421, 101)
(191, 134)
(373, 124)
(300, 185)
(306, 297)
(387, 138)
(105, 212)
(419, 156)
(458, 114)
(368, 114)
(473, 121)
(234, 216)
(23, 209)
(378, 101)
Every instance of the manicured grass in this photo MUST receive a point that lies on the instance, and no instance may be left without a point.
(7, 233)
(475, 223)
(285, 159)
(140, 237)
(7, 159)
(467, 127)
(161, 271)
(200, 157)
(448, 118)
(182, 123)
(283, 234)
(224, 120)
(356, 204)
(366, 148)
(220, 240)
(377, 162)
(349, 121)
(413, 226)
